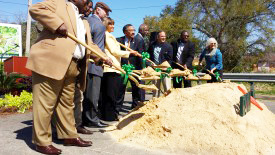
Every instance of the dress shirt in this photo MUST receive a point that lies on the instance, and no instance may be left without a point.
(127, 42)
(157, 50)
(80, 33)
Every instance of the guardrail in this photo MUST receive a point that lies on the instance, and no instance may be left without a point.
(247, 77)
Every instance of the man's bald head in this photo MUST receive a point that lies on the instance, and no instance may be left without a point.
(143, 30)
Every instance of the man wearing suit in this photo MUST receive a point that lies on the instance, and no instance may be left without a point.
(56, 61)
(141, 37)
(78, 95)
(143, 43)
(161, 51)
(95, 73)
(129, 41)
(183, 53)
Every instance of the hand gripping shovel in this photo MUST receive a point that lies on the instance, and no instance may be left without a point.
(219, 79)
(103, 56)
(139, 55)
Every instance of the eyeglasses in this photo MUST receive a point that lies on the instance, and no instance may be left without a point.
(131, 30)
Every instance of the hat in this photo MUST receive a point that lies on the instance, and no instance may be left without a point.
(103, 6)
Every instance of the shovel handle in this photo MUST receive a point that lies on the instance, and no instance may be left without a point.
(101, 55)
(139, 55)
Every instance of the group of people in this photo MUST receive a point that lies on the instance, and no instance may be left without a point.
(70, 82)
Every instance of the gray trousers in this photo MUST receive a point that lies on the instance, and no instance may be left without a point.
(91, 99)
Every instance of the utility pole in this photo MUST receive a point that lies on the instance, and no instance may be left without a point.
(28, 34)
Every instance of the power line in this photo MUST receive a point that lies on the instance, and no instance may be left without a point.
(8, 12)
(144, 7)
(14, 3)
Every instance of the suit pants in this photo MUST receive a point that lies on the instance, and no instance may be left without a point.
(166, 83)
(91, 100)
(50, 95)
(109, 89)
(187, 83)
(136, 97)
(78, 108)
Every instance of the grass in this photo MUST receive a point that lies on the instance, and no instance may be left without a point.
(261, 88)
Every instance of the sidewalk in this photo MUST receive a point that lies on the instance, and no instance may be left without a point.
(16, 133)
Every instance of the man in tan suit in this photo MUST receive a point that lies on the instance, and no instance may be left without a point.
(56, 61)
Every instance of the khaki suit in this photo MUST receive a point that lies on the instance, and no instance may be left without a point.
(54, 72)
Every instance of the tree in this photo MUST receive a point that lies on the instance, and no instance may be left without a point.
(240, 26)
(34, 34)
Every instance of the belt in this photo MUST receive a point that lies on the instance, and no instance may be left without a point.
(76, 60)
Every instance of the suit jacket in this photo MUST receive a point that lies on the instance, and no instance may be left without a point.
(165, 54)
(187, 55)
(113, 51)
(98, 37)
(141, 43)
(134, 60)
(52, 53)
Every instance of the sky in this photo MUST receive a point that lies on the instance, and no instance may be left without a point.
(123, 11)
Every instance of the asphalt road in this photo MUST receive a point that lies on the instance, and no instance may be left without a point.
(16, 129)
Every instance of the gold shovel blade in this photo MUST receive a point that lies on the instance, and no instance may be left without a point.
(147, 87)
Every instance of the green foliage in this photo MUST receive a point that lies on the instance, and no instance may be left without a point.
(34, 34)
(8, 82)
(20, 103)
(241, 27)
(261, 88)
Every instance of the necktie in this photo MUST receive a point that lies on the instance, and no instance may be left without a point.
(180, 49)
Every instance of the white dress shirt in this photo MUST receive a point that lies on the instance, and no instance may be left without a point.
(80, 34)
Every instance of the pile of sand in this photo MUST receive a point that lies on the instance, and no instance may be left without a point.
(200, 120)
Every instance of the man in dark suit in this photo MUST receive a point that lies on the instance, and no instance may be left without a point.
(161, 51)
(183, 53)
(141, 37)
(95, 73)
(129, 41)
(143, 43)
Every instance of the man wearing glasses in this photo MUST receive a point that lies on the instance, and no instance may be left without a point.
(129, 40)
(183, 53)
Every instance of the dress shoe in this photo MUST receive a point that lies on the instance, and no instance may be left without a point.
(48, 149)
(83, 131)
(97, 124)
(77, 142)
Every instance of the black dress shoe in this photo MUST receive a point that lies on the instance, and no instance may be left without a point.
(96, 124)
(48, 149)
(83, 131)
(77, 142)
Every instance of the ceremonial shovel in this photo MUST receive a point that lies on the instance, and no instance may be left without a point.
(138, 53)
(103, 56)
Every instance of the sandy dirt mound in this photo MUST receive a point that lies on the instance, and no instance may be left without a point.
(200, 120)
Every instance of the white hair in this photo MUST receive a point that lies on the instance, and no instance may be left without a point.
(211, 40)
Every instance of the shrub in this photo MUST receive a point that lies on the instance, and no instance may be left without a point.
(16, 103)
(8, 82)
